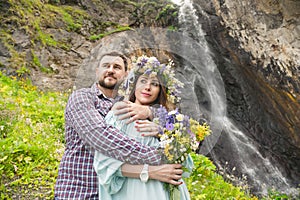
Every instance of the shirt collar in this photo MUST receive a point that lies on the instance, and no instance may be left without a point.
(99, 93)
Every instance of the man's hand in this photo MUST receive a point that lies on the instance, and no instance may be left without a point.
(147, 128)
(132, 111)
(168, 173)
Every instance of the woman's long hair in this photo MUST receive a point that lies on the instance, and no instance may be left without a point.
(162, 96)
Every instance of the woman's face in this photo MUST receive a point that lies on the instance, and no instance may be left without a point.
(147, 90)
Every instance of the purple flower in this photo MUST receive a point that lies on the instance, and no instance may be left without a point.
(143, 61)
(163, 67)
(169, 126)
(186, 121)
(156, 63)
(160, 130)
(162, 114)
(148, 72)
(170, 119)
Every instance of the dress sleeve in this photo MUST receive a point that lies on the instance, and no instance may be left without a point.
(109, 173)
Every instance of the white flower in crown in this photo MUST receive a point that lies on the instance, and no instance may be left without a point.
(152, 67)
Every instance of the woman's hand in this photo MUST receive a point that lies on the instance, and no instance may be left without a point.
(147, 128)
(168, 173)
(131, 110)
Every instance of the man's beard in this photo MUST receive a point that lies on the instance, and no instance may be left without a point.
(104, 85)
(111, 87)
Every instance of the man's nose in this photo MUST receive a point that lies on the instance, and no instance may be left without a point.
(111, 68)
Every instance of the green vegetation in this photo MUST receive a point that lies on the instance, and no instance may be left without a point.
(32, 18)
(32, 121)
(32, 143)
(31, 139)
(204, 183)
(128, 2)
(167, 11)
(119, 29)
(36, 63)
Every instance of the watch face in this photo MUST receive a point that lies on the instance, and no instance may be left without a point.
(144, 177)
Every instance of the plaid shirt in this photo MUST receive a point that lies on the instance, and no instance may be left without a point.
(86, 131)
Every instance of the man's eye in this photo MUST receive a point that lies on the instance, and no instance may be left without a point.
(117, 67)
(105, 65)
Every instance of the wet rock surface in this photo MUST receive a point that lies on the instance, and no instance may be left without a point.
(255, 46)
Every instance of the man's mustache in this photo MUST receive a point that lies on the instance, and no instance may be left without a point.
(110, 75)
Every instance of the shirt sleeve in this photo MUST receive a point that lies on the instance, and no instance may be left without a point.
(87, 121)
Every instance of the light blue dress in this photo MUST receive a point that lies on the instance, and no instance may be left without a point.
(114, 186)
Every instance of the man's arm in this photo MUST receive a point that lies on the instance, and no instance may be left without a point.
(82, 115)
(133, 111)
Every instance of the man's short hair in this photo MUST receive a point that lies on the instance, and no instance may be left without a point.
(118, 54)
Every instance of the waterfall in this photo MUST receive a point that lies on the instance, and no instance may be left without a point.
(206, 81)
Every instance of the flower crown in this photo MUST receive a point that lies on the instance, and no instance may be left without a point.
(152, 67)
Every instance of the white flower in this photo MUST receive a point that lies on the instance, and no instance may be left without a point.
(180, 117)
(152, 59)
(173, 112)
(178, 133)
(182, 158)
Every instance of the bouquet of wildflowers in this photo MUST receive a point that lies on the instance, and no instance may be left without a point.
(179, 136)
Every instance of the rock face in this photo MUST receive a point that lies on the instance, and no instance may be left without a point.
(270, 32)
(255, 45)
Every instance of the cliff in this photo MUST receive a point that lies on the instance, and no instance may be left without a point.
(255, 45)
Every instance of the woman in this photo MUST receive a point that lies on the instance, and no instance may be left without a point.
(148, 83)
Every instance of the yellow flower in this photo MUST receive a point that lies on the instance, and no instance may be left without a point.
(167, 152)
(176, 125)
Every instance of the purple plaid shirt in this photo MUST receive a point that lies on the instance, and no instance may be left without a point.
(86, 131)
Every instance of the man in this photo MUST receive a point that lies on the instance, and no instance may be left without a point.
(86, 131)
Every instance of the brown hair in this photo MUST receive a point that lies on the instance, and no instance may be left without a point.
(117, 54)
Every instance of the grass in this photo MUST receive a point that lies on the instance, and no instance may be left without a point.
(204, 183)
(32, 143)
(31, 139)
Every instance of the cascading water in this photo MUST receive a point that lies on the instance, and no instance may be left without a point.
(209, 92)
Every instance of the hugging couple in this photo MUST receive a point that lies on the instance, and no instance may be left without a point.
(112, 145)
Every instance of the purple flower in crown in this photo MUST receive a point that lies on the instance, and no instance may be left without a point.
(163, 67)
(152, 66)
(156, 63)
(142, 62)
(148, 72)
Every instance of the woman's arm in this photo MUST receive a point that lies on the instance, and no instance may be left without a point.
(169, 173)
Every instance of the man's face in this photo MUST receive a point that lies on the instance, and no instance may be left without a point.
(111, 71)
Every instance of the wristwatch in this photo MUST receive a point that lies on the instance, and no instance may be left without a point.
(144, 176)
